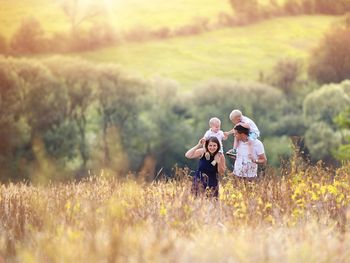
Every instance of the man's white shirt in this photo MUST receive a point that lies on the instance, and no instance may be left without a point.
(245, 167)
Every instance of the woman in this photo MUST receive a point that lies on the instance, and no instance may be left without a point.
(209, 167)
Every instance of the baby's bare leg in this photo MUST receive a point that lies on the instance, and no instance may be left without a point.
(222, 159)
(250, 149)
(215, 161)
(235, 143)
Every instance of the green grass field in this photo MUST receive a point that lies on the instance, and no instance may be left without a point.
(47, 12)
(233, 53)
(122, 14)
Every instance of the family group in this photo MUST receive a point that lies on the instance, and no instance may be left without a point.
(247, 152)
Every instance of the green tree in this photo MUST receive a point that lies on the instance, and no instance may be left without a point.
(10, 133)
(166, 128)
(38, 106)
(120, 102)
(218, 98)
(320, 108)
(79, 82)
(321, 140)
(343, 120)
(326, 103)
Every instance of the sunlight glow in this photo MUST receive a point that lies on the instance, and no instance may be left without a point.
(109, 6)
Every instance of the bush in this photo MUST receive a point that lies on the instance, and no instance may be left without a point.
(59, 42)
(225, 19)
(3, 45)
(330, 62)
(285, 75)
(278, 149)
(320, 109)
(330, 7)
(292, 7)
(161, 33)
(343, 120)
(248, 11)
(321, 140)
(101, 35)
(326, 103)
(29, 38)
(197, 26)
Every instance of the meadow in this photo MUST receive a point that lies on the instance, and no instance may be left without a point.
(300, 216)
(240, 53)
(122, 14)
(298, 212)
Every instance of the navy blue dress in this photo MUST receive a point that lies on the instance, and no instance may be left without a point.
(206, 178)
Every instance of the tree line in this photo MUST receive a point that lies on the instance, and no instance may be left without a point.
(62, 117)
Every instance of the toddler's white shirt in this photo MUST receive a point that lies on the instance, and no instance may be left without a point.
(252, 125)
(219, 135)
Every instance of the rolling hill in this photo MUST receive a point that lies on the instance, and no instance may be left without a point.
(235, 53)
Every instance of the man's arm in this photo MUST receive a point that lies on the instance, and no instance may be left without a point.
(261, 159)
(260, 152)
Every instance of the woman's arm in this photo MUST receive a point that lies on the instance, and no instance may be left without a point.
(196, 151)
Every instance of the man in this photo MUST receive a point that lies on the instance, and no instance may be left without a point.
(246, 166)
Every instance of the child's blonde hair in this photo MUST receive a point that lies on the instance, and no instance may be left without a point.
(214, 120)
(234, 114)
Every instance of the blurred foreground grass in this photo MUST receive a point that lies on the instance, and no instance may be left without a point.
(302, 216)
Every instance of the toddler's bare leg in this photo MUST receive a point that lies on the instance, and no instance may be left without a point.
(206, 154)
(222, 159)
(250, 148)
(235, 143)
(214, 162)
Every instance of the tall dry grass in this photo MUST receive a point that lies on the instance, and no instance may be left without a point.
(299, 216)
